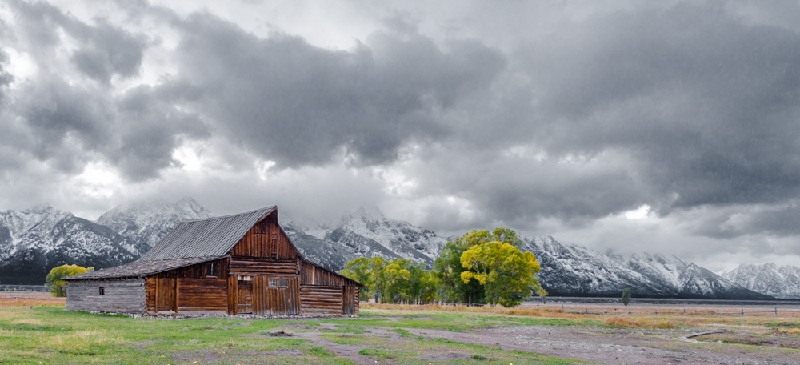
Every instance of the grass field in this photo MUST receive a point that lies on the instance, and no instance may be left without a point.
(35, 329)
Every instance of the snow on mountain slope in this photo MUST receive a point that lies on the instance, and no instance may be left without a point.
(35, 240)
(575, 270)
(363, 233)
(147, 223)
(20, 229)
(43, 237)
(398, 236)
(779, 281)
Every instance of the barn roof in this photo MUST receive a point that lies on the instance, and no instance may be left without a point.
(141, 268)
(210, 237)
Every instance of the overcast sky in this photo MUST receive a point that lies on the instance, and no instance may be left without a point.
(662, 126)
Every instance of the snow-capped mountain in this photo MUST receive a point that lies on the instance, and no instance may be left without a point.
(37, 239)
(147, 223)
(778, 281)
(365, 233)
(576, 270)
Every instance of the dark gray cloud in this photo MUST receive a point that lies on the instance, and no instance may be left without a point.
(298, 104)
(697, 107)
(552, 113)
(779, 220)
(68, 123)
(706, 102)
(103, 51)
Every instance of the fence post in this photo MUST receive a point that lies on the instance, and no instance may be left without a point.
(562, 308)
(776, 311)
(742, 312)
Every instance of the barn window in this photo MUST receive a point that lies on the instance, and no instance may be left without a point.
(278, 283)
(101, 290)
(211, 269)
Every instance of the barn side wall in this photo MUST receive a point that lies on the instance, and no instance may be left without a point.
(321, 300)
(265, 240)
(190, 288)
(119, 295)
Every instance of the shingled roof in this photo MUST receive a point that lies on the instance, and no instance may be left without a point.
(210, 237)
(138, 269)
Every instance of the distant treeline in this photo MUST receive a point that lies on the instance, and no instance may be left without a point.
(482, 267)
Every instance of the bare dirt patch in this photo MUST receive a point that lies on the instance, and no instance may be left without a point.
(615, 346)
(280, 333)
(346, 351)
(446, 356)
(769, 339)
(214, 357)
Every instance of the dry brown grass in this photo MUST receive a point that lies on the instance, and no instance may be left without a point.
(789, 331)
(638, 322)
(515, 311)
(620, 317)
(29, 299)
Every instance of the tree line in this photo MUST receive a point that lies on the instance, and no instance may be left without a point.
(482, 267)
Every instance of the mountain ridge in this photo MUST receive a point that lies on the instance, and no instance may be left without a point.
(782, 282)
(36, 239)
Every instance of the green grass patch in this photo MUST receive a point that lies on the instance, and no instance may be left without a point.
(380, 354)
(51, 335)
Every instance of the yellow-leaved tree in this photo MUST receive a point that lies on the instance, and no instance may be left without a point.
(55, 279)
(507, 274)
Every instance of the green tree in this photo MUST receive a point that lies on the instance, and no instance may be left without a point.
(626, 296)
(507, 274)
(360, 270)
(423, 284)
(448, 267)
(429, 287)
(55, 279)
(397, 281)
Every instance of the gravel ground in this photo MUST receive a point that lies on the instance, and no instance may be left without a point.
(620, 346)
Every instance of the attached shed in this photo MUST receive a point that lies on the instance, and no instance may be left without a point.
(236, 264)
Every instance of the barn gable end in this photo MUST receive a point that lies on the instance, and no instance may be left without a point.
(238, 264)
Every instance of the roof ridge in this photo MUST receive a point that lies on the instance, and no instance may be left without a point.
(206, 237)
(229, 215)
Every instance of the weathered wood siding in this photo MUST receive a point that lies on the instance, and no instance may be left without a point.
(197, 271)
(311, 274)
(350, 301)
(120, 295)
(189, 288)
(266, 239)
(207, 294)
(321, 300)
(162, 291)
(269, 300)
(253, 266)
(233, 295)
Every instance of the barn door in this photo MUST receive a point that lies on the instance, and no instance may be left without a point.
(277, 296)
(349, 295)
(245, 296)
(166, 290)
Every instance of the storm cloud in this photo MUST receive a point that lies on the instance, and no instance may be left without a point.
(297, 104)
(553, 118)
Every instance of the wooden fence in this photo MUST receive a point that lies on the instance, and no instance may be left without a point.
(9, 287)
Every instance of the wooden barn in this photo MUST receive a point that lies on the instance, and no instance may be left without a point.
(236, 264)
